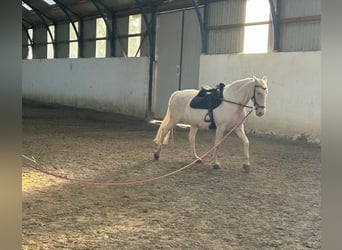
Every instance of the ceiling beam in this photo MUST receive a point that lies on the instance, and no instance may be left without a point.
(38, 12)
(64, 9)
(27, 34)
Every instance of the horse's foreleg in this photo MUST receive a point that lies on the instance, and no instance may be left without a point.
(157, 153)
(164, 132)
(192, 139)
(218, 136)
(240, 131)
(159, 146)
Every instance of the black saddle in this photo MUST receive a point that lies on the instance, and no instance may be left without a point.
(208, 98)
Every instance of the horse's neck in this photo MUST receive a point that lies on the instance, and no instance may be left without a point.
(239, 91)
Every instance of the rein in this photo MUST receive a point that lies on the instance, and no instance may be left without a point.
(255, 103)
(237, 103)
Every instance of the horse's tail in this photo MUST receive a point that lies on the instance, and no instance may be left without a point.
(158, 139)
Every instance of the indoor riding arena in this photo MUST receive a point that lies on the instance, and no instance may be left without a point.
(97, 76)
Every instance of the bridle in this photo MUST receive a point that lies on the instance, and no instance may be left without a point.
(256, 105)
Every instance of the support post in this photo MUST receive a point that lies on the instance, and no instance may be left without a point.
(202, 28)
(276, 12)
(151, 30)
(81, 40)
(109, 31)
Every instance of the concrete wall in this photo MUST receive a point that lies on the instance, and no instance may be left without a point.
(294, 100)
(106, 84)
(120, 85)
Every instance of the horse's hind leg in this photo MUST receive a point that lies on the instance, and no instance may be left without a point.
(240, 131)
(192, 139)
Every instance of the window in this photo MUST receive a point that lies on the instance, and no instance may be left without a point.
(100, 38)
(73, 42)
(30, 54)
(256, 36)
(26, 6)
(49, 2)
(134, 32)
(50, 50)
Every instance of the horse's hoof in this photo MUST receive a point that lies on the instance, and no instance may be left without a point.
(216, 166)
(156, 156)
(246, 168)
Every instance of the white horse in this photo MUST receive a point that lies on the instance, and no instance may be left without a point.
(232, 110)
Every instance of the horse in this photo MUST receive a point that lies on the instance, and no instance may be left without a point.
(232, 109)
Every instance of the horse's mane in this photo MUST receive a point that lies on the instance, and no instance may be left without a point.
(237, 83)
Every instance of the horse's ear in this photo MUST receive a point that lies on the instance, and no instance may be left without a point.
(264, 78)
(254, 78)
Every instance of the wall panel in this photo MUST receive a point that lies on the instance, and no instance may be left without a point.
(105, 84)
(294, 102)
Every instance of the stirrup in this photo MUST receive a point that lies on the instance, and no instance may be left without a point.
(207, 118)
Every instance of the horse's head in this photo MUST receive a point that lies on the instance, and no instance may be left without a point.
(259, 95)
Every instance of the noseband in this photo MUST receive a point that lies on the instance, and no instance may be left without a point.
(255, 103)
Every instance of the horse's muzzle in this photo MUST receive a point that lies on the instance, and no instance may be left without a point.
(260, 112)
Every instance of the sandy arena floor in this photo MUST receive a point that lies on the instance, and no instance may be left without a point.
(275, 206)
